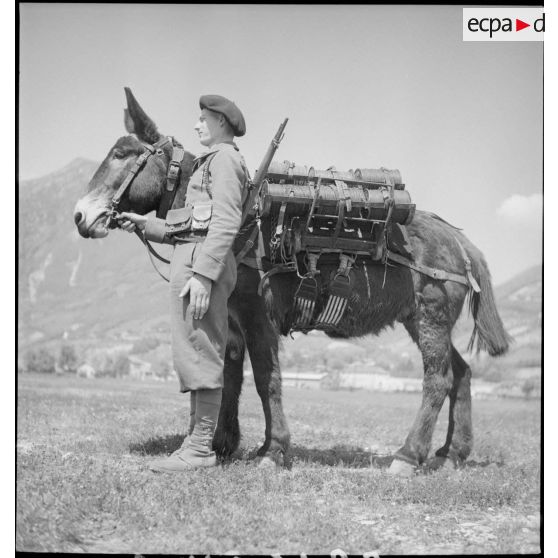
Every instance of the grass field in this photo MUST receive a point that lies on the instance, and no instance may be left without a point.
(83, 485)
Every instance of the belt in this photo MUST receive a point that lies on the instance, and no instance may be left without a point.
(189, 237)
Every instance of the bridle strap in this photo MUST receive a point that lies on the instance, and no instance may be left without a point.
(134, 171)
(167, 199)
(173, 179)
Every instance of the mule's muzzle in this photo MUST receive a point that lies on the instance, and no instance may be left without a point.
(86, 229)
(79, 218)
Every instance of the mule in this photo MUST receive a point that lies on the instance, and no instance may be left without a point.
(382, 295)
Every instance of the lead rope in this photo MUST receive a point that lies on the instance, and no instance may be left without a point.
(152, 252)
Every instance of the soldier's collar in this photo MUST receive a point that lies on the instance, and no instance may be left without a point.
(214, 149)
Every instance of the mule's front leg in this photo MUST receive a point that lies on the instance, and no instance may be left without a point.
(227, 435)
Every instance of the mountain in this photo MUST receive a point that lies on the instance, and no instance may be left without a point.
(74, 287)
(105, 291)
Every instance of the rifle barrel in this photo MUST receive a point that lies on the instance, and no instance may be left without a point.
(262, 170)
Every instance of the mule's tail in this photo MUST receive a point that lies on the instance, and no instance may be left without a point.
(489, 332)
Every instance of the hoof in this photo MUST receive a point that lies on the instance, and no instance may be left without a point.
(439, 462)
(401, 468)
(267, 463)
(225, 444)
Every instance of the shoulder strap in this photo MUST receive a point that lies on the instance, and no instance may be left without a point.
(205, 175)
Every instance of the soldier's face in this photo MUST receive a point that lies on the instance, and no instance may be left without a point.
(208, 127)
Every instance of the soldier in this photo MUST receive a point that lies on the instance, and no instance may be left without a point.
(203, 273)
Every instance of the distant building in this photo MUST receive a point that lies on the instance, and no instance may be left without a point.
(86, 371)
(379, 382)
(304, 380)
(139, 368)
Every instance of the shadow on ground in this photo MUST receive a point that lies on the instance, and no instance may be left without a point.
(345, 456)
(157, 446)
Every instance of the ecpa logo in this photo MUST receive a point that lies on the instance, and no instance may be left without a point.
(503, 24)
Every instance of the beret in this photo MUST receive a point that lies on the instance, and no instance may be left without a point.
(228, 109)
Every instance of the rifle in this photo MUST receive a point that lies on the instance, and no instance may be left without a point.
(256, 184)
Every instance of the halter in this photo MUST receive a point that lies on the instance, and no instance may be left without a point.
(173, 176)
(169, 193)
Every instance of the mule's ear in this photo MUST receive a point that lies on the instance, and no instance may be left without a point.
(128, 122)
(140, 123)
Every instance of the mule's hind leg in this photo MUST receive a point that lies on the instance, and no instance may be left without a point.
(430, 328)
(227, 435)
(262, 342)
(459, 439)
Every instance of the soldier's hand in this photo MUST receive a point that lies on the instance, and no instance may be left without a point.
(199, 288)
(129, 221)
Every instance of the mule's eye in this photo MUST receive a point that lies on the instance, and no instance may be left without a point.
(118, 154)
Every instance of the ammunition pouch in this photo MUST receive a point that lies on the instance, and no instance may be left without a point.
(201, 216)
(188, 220)
(178, 220)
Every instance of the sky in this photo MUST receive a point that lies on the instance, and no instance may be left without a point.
(362, 86)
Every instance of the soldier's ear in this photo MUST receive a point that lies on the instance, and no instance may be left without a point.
(137, 121)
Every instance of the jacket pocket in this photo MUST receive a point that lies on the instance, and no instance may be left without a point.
(201, 216)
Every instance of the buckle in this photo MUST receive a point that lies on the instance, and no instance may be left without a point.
(174, 170)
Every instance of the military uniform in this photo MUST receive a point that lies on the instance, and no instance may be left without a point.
(203, 232)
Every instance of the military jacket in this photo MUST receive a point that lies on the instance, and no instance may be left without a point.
(213, 206)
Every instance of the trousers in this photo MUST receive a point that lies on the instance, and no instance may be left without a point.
(198, 346)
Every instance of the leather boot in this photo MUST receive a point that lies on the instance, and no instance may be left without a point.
(196, 450)
(192, 412)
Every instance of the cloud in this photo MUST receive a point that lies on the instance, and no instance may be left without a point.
(522, 209)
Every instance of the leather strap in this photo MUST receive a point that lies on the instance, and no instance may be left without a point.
(140, 161)
(279, 268)
(152, 252)
(132, 173)
(344, 203)
(254, 263)
(472, 280)
(249, 242)
(431, 272)
(314, 203)
(280, 219)
(205, 174)
(173, 179)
